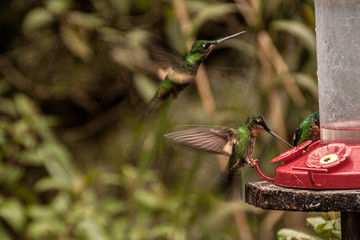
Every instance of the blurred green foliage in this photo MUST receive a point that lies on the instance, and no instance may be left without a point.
(74, 75)
(45, 196)
(327, 226)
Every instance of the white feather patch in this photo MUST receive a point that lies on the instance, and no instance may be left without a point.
(228, 147)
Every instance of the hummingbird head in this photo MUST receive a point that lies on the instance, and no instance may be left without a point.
(257, 124)
(202, 48)
(314, 120)
(309, 129)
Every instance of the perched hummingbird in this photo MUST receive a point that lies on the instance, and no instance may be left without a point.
(309, 129)
(237, 143)
(178, 77)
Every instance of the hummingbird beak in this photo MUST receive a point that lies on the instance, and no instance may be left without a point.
(229, 37)
(282, 141)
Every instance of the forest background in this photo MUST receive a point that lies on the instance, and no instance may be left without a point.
(75, 161)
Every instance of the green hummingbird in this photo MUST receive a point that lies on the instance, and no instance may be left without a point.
(177, 78)
(238, 143)
(309, 129)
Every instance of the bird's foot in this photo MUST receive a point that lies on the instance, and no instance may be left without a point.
(253, 161)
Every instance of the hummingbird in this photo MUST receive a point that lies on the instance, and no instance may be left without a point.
(309, 129)
(238, 143)
(178, 77)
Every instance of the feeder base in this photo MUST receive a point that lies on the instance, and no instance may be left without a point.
(270, 196)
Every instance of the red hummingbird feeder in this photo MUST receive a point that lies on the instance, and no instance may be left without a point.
(334, 161)
(322, 166)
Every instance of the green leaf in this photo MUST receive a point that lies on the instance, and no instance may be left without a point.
(329, 225)
(58, 7)
(321, 226)
(76, 42)
(50, 183)
(336, 233)
(297, 29)
(129, 171)
(91, 230)
(40, 212)
(24, 105)
(36, 19)
(46, 229)
(61, 203)
(12, 212)
(315, 222)
(289, 234)
(41, 124)
(112, 206)
(85, 20)
(21, 134)
(211, 12)
(112, 179)
(7, 107)
(58, 163)
(148, 199)
(33, 157)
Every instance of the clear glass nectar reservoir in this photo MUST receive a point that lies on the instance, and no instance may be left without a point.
(338, 50)
(334, 161)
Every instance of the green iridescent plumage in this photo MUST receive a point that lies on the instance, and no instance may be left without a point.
(309, 129)
(237, 143)
(178, 77)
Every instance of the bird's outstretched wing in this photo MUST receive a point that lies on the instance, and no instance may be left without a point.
(218, 140)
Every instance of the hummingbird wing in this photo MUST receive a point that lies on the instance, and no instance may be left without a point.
(162, 73)
(297, 136)
(176, 74)
(219, 140)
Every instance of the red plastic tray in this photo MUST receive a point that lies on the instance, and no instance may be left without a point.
(322, 166)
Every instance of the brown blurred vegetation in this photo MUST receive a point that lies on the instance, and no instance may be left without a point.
(76, 163)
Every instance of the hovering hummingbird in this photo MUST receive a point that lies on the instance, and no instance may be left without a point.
(237, 143)
(178, 77)
(309, 129)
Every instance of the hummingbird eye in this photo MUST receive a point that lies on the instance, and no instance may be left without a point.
(316, 121)
(259, 121)
(206, 45)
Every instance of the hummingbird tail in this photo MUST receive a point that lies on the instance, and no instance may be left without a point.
(153, 103)
(229, 184)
